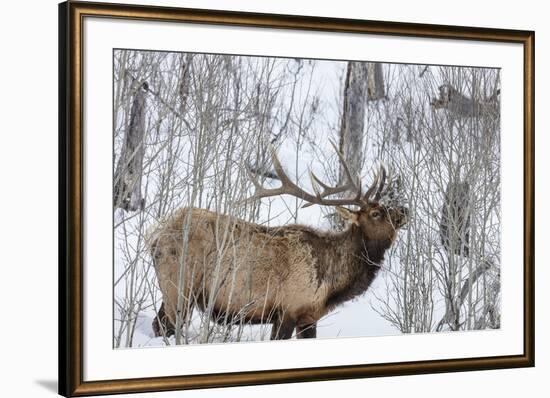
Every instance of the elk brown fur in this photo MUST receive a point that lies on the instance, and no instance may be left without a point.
(289, 276)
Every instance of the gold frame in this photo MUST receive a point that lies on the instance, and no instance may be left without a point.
(71, 16)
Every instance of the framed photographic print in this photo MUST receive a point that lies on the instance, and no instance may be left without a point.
(253, 199)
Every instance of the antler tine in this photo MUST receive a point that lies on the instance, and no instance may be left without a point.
(327, 189)
(346, 168)
(372, 188)
(290, 188)
(381, 185)
(351, 185)
(316, 179)
(253, 178)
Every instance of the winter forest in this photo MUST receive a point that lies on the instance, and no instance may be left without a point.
(209, 131)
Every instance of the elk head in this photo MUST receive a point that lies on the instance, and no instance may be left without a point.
(377, 220)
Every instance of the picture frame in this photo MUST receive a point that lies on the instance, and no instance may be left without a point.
(73, 204)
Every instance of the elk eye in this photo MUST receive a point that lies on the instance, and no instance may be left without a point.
(375, 214)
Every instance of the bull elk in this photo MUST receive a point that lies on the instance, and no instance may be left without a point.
(288, 276)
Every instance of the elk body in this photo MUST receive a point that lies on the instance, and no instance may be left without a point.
(289, 276)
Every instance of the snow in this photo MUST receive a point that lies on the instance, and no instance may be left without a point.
(299, 155)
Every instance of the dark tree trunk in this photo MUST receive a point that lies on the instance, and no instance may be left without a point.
(454, 228)
(375, 82)
(184, 83)
(352, 124)
(127, 186)
(353, 118)
(364, 81)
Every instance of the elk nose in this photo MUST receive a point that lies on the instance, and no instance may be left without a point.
(402, 214)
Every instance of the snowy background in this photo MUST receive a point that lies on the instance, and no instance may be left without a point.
(206, 118)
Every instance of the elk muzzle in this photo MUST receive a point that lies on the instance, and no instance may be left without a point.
(399, 216)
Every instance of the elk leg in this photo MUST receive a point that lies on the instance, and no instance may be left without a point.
(282, 328)
(162, 325)
(306, 331)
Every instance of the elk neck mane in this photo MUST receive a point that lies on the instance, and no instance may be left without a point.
(346, 262)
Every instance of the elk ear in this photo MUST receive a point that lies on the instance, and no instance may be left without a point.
(348, 215)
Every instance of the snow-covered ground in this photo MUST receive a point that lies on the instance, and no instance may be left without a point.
(318, 91)
(356, 318)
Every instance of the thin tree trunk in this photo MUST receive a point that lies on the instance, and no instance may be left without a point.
(353, 118)
(127, 187)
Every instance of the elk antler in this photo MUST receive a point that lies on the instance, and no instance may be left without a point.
(319, 198)
(350, 185)
(377, 186)
(390, 191)
(382, 174)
